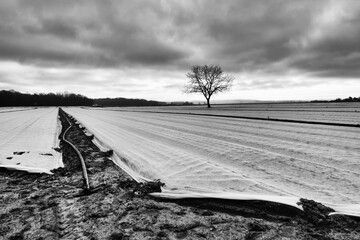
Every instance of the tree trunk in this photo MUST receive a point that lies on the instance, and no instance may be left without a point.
(208, 102)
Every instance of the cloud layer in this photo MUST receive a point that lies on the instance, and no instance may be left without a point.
(316, 39)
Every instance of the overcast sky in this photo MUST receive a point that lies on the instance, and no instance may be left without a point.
(276, 50)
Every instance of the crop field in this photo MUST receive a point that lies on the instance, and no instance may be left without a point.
(28, 139)
(201, 154)
(341, 113)
(209, 156)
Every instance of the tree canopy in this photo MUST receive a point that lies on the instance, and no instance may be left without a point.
(208, 80)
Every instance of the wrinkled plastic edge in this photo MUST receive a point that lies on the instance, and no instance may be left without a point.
(115, 157)
(27, 169)
(200, 193)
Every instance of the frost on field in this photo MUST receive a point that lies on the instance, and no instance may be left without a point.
(29, 139)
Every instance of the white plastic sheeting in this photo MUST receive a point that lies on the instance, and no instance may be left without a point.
(233, 158)
(336, 113)
(28, 139)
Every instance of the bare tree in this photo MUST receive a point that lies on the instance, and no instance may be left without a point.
(208, 80)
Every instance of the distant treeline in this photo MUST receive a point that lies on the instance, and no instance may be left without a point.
(13, 98)
(125, 102)
(349, 99)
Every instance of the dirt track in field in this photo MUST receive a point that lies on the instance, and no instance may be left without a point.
(41, 206)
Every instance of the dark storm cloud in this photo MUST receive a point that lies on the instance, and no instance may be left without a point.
(27, 51)
(89, 33)
(56, 27)
(330, 64)
(339, 57)
(264, 27)
(315, 37)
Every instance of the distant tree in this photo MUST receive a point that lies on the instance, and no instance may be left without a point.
(208, 80)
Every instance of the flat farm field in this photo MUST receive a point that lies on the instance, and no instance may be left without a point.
(201, 155)
(342, 113)
(28, 139)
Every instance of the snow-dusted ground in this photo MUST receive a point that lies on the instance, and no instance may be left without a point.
(28, 139)
(234, 158)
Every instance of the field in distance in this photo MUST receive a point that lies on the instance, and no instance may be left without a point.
(343, 113)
